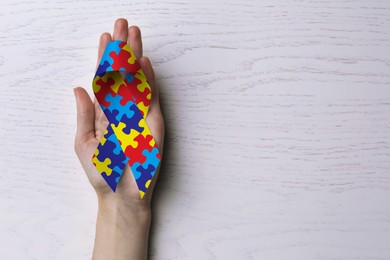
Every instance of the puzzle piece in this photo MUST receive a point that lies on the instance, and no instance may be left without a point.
(125, 92)
(118, 149)
(144, 175)
(102, 88)
(133, 122)
(152, 158)
(121, 61)
(102, 166)
(141, 92)
(111, 116)
(135, 152)
(113, 179)
(129, 78)
(106, 60)
(103, 67)
(116, 105)
(125, 140)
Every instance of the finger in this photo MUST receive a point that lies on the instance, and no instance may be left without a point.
(135, 41)
(105, 38)
(101, 121)
(147, 68)
(85, 115)
(120, 30)
(154, 118)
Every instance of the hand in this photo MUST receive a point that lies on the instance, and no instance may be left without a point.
(123, 213)
(91, 121)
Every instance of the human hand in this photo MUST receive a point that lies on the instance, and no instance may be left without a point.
(91, 121)
(122, 212)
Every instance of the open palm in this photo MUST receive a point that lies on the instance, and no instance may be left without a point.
(92, 122)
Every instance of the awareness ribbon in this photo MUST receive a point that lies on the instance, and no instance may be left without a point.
(125, 102)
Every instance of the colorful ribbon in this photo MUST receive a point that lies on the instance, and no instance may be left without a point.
(125, 102)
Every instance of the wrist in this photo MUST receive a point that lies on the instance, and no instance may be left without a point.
(126, 214)
(122, 229)
(113, 202)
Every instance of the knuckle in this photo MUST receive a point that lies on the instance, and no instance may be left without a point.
(85, 113)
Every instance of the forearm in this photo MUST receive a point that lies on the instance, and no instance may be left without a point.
(121, 232)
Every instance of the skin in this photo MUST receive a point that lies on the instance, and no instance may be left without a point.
(123, 220)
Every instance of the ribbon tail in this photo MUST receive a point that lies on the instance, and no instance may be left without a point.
(109, 159)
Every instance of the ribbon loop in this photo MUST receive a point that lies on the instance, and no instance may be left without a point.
(125, 101)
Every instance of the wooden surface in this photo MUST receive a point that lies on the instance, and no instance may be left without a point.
(278, 127)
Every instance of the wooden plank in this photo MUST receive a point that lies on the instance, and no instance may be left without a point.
(277, 116)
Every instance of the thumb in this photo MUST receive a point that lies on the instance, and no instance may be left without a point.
(85, 115)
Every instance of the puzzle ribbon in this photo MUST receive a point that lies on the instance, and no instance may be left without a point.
(125, 102)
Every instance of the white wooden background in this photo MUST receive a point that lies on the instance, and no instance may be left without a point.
(278, 127)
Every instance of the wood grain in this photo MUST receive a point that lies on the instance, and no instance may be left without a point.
(278, 127)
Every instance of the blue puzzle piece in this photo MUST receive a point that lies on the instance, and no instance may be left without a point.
(114, 139)
(136, 173)
(116, 105)
(129, 77)
(151, 158)
(111, 116)
(106, 58)
(111, 180)
(145, 175)
(133, 122)
(114, 46)
(103, 66)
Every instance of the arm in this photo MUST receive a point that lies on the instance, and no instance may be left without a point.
(123, 220)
